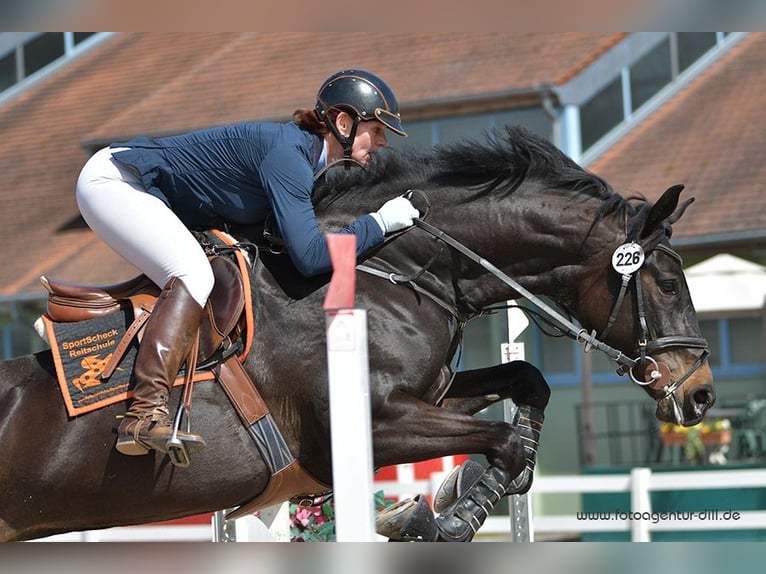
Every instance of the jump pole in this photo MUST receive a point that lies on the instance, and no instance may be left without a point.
(519, 505)
(349, 392)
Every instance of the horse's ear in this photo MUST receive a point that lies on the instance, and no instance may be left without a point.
(663, 209)
(680, 211)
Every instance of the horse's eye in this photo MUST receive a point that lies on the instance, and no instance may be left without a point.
(669, 286)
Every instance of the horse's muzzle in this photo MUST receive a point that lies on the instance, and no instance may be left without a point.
(686, 409)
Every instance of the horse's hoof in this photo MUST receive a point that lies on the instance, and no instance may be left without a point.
(410, 520)
(522, 483)
(458, 481)
(463, 518)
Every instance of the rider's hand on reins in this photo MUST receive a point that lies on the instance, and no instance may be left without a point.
(396, 214)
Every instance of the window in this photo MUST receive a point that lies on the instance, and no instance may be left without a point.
(41, 51)
(601, 113)
(645, 77)
(7, 71)
(650, 74)
(561, 361)
(710, 331)
(746, 340)
(19, 340)
(534, 119)
(82, 36)
(557, 354)
(482, 339)
(692, 45)
(602, 365)
(460, 129)
(737, 349)
(418, 137)
(426, 134)
(36, 52)
(17, 333)
(736, 345)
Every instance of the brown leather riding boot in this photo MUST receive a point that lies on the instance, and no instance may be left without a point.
(168, 338)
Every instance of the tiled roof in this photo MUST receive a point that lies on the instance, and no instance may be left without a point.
(711, 138)
(41, 131)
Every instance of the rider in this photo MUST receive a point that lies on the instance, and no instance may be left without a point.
(142, 198)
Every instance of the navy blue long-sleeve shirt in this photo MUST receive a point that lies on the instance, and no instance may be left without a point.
(241, 173)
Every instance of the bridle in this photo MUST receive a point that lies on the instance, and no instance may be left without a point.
(656, 379)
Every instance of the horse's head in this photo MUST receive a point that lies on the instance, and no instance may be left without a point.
(644, 309)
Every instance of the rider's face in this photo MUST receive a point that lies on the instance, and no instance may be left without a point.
(370, 137)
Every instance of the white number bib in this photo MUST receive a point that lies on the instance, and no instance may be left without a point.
(628, 258)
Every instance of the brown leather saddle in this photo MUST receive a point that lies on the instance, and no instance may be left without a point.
(223, 322)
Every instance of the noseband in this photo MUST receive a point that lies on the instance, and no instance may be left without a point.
(656, 378)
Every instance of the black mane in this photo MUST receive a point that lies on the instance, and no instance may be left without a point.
(501, 164)
(509, 159)
(390, 169)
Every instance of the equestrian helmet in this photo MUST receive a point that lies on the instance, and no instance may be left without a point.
(362, 93)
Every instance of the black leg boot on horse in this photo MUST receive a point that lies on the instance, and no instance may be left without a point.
(474, 493)
(169, 336)
(467, 496)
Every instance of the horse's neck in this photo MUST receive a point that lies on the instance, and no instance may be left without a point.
(546, 242)
(543, 238)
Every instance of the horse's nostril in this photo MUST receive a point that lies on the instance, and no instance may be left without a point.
(704, 397)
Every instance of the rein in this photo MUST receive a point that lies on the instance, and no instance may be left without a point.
(565, 325)
(659, 374)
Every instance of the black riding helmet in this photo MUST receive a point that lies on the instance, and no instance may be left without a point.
(362, 94)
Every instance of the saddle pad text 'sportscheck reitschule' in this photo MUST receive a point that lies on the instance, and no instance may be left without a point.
(82, 349)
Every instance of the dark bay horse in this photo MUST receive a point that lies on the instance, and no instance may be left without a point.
(516, 201)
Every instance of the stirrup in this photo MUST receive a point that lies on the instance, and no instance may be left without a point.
(176, 447)
(177, 452)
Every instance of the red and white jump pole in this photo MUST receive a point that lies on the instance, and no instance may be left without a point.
(350, 418)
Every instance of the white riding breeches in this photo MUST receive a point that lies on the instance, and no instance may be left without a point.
(140, 227)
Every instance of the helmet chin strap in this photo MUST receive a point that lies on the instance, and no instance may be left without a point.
(346, 141)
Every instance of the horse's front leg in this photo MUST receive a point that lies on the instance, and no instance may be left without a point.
(406, 429)
(519, 381)
(474, 390)
(468, 494)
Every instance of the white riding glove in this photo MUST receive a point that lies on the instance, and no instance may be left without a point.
(395, 214)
